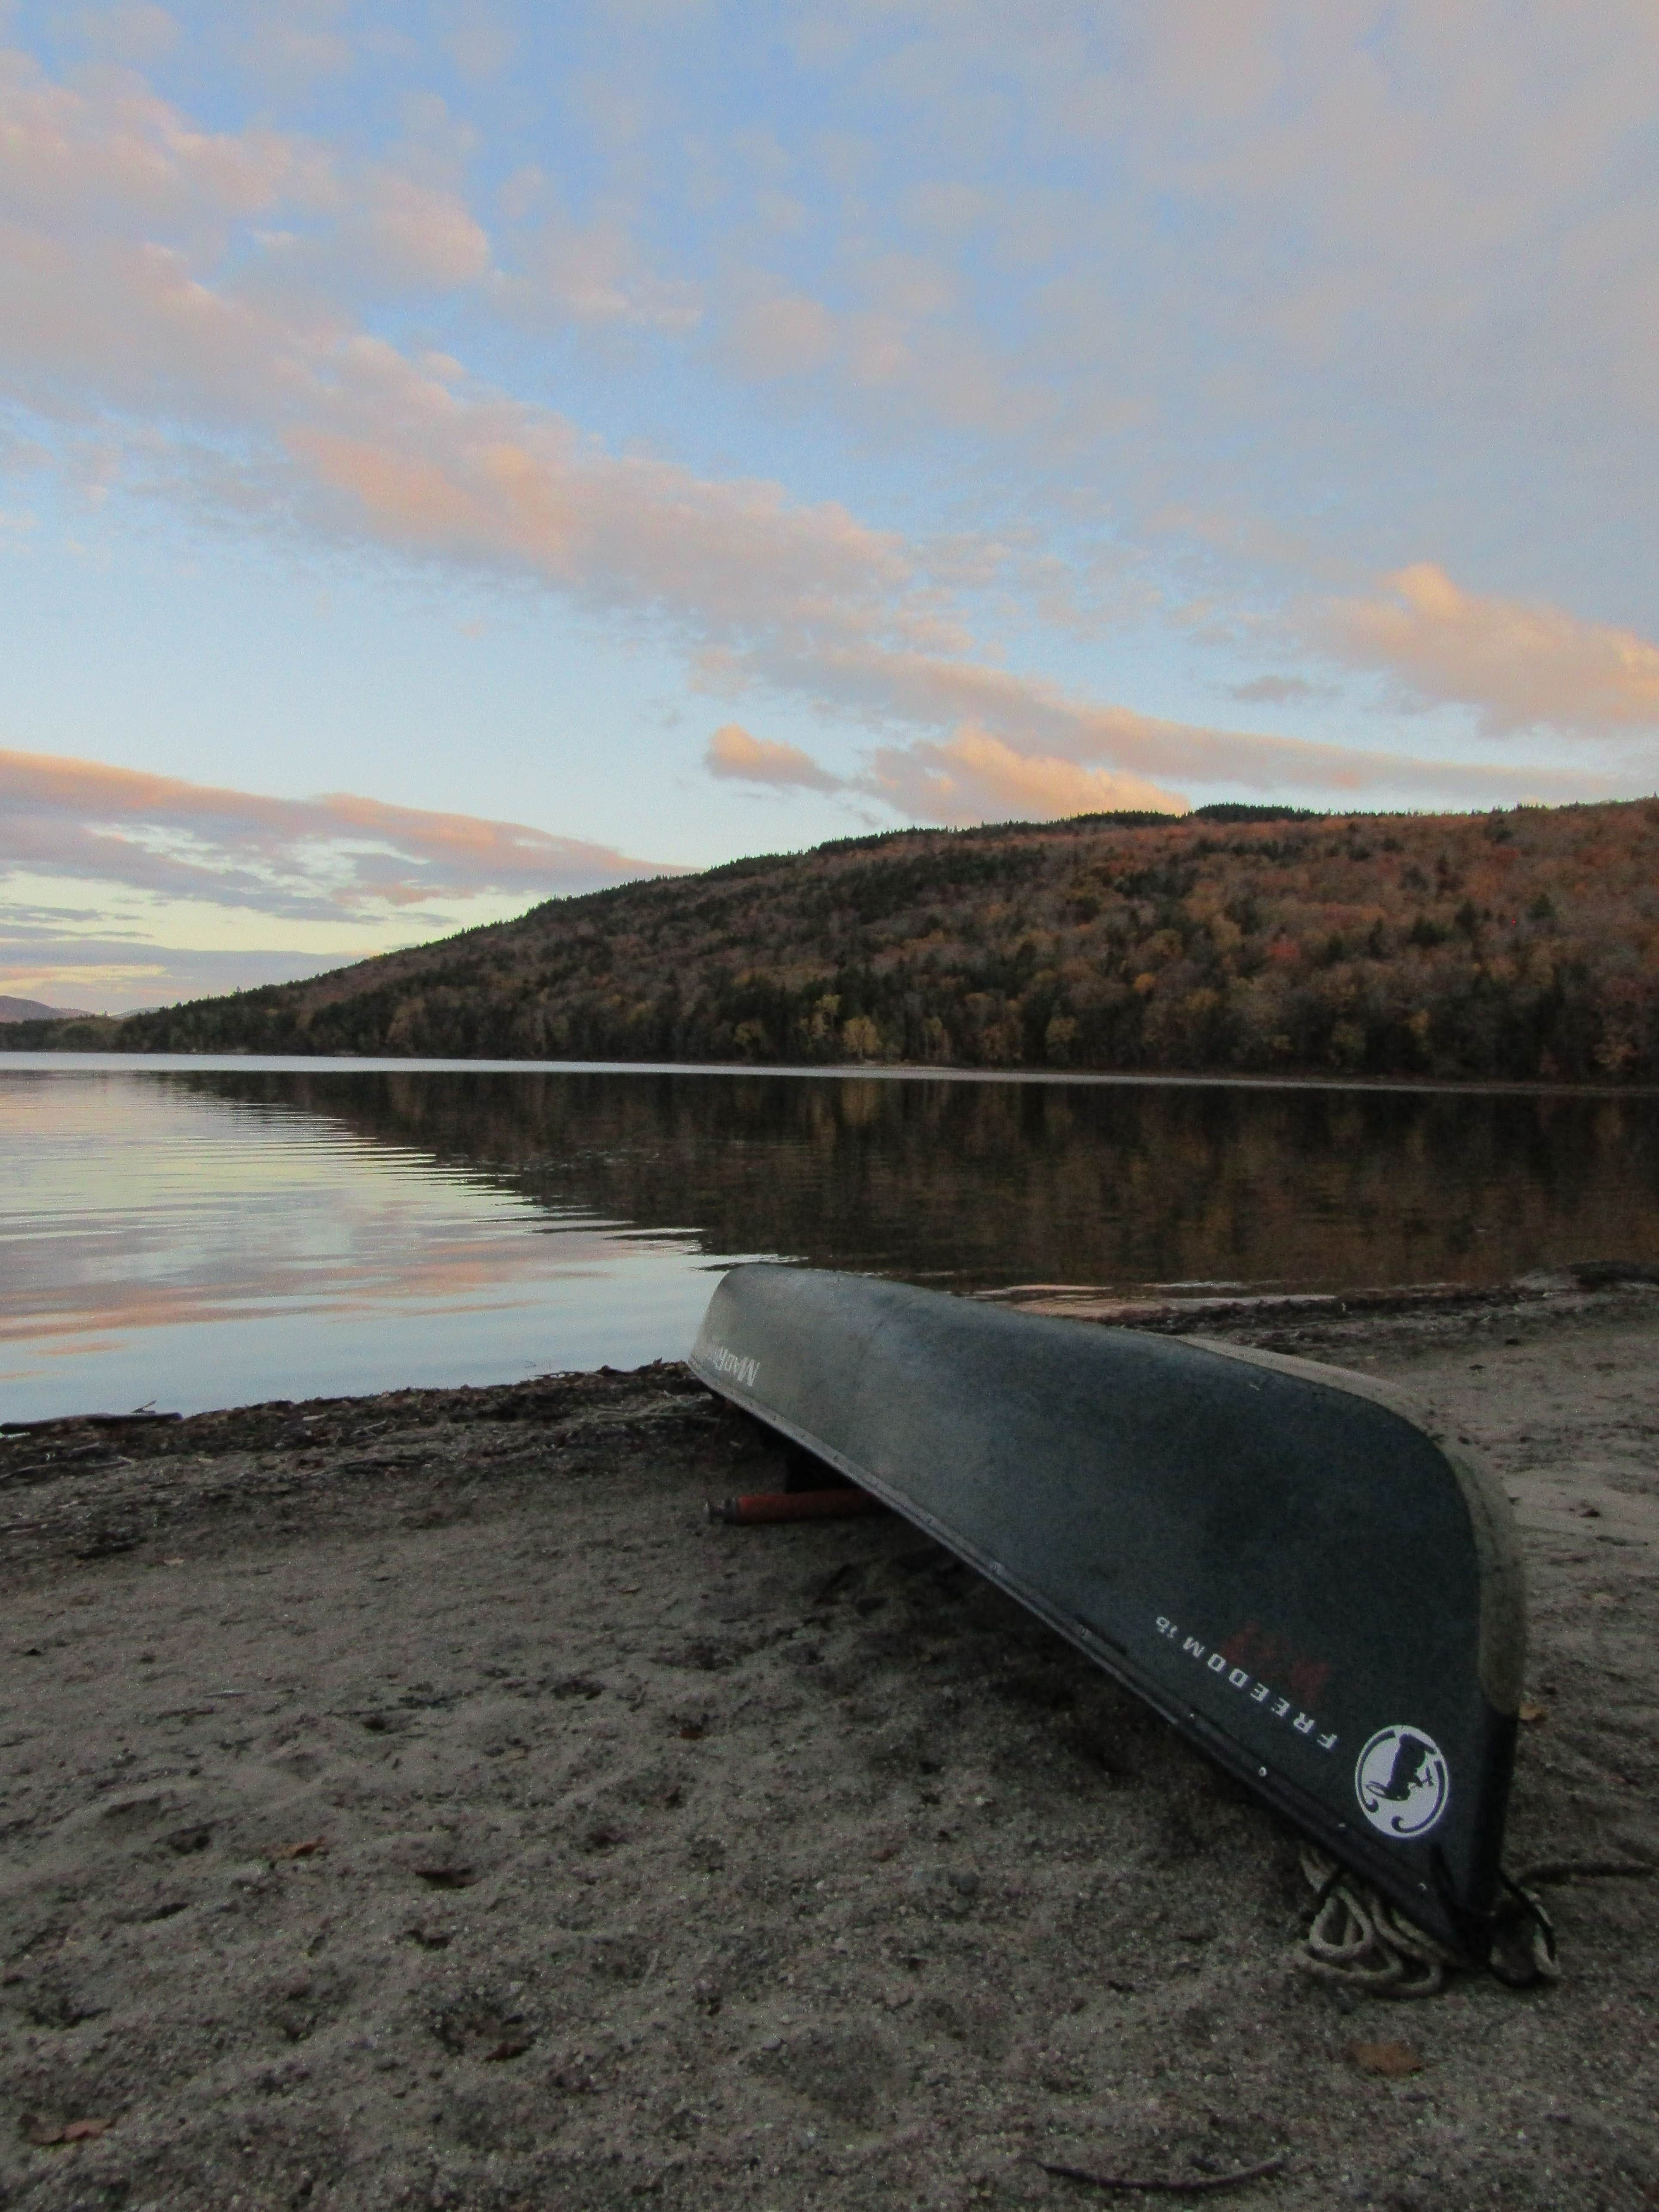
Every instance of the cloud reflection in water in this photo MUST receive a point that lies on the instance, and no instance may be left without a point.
(157, 1242)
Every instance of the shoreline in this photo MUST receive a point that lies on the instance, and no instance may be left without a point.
(1275, 1319)
(413, 1799)
(47, 1057)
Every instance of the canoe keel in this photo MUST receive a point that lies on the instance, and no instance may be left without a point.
(1291, 1563)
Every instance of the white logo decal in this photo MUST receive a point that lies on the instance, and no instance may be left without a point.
(727, 1363)
(1401, 1782)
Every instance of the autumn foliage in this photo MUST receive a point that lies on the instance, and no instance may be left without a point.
(1522, 945)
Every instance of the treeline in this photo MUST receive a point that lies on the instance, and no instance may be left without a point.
(1522, 945)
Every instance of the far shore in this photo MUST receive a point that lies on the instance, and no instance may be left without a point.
(417, 1801)
(842, 1072)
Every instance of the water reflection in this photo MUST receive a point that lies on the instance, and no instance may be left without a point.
(207, 1235)
(161, 1242)
(997, 1182)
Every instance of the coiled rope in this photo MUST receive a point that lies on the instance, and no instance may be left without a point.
(1359, 1939)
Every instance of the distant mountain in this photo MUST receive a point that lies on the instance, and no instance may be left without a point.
(33, 1009)
(1521, 945)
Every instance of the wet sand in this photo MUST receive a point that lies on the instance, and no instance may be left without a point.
(416, 1800)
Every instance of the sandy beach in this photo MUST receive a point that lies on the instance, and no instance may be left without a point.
(417, 1800)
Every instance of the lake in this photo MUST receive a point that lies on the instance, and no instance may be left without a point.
(200, 1232)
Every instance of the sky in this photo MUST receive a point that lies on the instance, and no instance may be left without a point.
(456, 455)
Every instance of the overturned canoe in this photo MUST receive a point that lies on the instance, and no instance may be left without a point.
(1290, 1562)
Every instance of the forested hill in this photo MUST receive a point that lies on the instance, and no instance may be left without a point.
(1522, 945)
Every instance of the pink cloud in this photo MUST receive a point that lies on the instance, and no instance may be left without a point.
(1009, 747)
(732, 752)
(326, 858)
(115, 162)
(975, 777)
(1519, 664)
(126, 157)
(1039, 720)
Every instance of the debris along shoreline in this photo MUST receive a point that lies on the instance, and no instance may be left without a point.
(417, 1800)
(1181, 1307)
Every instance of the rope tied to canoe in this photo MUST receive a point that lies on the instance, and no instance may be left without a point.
(1359, 1939)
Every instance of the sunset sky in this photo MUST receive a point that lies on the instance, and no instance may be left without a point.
(455, 454)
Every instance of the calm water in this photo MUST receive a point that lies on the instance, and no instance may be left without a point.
(211, 1233)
